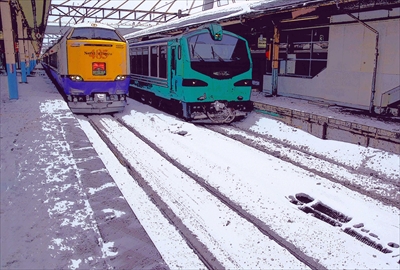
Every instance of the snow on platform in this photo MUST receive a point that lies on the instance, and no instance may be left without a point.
(60, 208)
(328, 121)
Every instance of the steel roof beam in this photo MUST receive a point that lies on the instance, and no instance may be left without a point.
(83, 12)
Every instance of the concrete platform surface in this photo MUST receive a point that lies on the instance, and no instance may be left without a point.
(60, 209)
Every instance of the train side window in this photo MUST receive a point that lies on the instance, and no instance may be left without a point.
(223, 2)
(53, 60)
(134, 59)
(153, 61)
(139, 61)
(162, 62)
(145, 61)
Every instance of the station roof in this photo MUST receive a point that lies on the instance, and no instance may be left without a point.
(35, 14)
(47, 20)
(240, 12)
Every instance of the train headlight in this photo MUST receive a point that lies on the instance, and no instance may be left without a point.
(75, 78)
(193, 82)
(120, 78)
(243, 83)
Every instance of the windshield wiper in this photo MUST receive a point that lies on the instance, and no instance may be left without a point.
(194, 53)
(216, 54)
(106, 38)
(78, 37)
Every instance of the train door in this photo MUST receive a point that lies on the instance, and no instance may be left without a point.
(173, 70)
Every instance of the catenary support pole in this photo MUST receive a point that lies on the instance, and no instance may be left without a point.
(374, 72)
(21, 47)
(26, 50)
(9, 49)
(275, 61)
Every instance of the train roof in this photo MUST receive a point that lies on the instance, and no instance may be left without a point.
(224, 14)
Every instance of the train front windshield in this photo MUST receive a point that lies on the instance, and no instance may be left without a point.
(95, 33)
(218, 58)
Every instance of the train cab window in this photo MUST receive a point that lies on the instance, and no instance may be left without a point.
(202, 48)
(209, 56)
(95, 33)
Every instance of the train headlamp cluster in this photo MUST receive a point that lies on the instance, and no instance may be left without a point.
(215, 31)
(76, 78)
(193, 82)
(120, 78)
(243, 83)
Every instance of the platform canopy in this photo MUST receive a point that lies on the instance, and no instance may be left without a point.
(35, 15)
(126, 15)
(47, 20)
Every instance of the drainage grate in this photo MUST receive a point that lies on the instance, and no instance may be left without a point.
(304, 198)
(331, 212)
(366, 240)
(335, 218)
(321, 216)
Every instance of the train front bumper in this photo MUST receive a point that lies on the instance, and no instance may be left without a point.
(99, 108)
(100, 103)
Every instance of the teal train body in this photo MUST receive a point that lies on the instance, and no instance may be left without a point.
(202, 75)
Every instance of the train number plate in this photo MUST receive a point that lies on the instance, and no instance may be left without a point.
(98, 68)
(100, 97)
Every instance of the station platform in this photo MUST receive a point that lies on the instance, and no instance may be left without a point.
(332, 122)
(58, 202)
(60, 208)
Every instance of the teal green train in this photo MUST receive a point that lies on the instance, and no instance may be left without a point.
(202, 75)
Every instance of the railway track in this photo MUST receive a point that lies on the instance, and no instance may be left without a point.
(367, 182)
(209, 260)
(250, 225)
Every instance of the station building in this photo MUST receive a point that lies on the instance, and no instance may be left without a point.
(345, 53)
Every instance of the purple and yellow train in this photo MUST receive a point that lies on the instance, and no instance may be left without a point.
(90, 64)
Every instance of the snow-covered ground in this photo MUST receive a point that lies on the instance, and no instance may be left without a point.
(355, 156)
(47, 211)
(262, 185)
